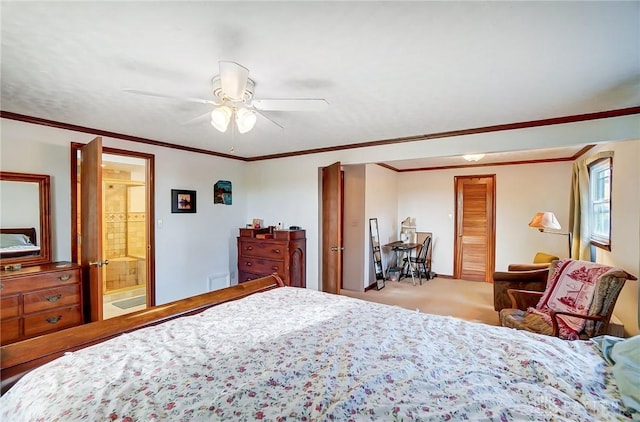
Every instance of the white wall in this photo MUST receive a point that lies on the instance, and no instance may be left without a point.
(625, 227)
(286, 190)
(189, 247)
(355, 227)
(381, 202)
(521, 191)
(192, 247)
(42, 150)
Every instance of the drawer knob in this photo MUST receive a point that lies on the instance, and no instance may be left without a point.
(249, 248)
(64, 277)
(248, 264)
(53, 320)
(54, 298)
(276, 251)
(274, 268)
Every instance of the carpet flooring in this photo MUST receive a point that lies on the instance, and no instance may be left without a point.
(468, 300)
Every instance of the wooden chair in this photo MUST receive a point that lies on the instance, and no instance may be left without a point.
(422, 261)
(607, 288)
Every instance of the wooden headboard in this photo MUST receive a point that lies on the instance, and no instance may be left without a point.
(30, 232)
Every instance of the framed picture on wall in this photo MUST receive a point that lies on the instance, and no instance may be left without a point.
(183, 201)
(222, 192)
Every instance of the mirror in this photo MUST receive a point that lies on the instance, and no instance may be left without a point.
(24, 219)
(375, 250)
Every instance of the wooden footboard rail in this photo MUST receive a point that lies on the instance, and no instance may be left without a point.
(17, 359)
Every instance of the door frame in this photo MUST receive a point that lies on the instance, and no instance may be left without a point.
(490, 244)
(150, 184)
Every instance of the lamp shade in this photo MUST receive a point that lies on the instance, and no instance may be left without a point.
(544, 220)
(245, 119)
(220, 118)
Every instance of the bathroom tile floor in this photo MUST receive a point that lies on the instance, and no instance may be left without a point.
(109, 310)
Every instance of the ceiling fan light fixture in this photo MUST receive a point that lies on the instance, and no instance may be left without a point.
(220, 118)
(473, 157)
(245, 119)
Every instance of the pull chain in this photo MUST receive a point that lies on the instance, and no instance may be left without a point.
(233, 130)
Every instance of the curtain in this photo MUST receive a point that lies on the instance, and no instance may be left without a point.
(579, 227)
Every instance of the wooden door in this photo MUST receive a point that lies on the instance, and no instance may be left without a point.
(474, 256)
(77, 197)
(332, 228)
(91, 225)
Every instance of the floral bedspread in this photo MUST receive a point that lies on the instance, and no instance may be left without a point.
(297, 354)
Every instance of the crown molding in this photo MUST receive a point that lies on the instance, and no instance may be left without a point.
(415, 138)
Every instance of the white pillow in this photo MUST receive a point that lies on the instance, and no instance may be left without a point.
(8, 240)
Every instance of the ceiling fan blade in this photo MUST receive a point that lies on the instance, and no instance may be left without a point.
(233, 80)
(301, 104)
(173, 97)
(198, 119)
(268, 118)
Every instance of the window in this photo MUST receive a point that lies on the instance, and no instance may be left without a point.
(600, 202)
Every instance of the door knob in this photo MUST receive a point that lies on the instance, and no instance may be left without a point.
(99, 263)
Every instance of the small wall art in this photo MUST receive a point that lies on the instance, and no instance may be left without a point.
(183, 201)
(222, 192)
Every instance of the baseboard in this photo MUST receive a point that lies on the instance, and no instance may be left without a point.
(371, 286)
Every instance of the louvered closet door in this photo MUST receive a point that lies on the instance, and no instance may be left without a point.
(475, 227)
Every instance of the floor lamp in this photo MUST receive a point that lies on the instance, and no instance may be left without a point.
(547, 220)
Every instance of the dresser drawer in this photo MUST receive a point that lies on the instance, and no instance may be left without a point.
(261, 266)
(9, 306)
(271, 250)
(43, 300)
(39, 281)
(10, 330)
(244, 276)
(53, 320)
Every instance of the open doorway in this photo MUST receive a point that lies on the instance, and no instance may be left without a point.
(124, 235)
(125, 281)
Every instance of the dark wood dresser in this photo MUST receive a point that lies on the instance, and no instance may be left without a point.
(38, 300)
(284, 253)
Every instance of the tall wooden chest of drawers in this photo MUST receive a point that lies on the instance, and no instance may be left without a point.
(284, 254)
(38, 300)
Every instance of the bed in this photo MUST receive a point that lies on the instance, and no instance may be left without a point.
(270, 352)
(18, 242)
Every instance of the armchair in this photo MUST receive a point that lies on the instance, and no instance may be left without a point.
(577, 302)
(531, 280)
(540, 260)
(523, 277)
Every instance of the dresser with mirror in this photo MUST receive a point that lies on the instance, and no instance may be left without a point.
(37, 296)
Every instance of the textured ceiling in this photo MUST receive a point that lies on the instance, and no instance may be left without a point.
(387, 69)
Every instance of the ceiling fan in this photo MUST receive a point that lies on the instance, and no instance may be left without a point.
(233, 100)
